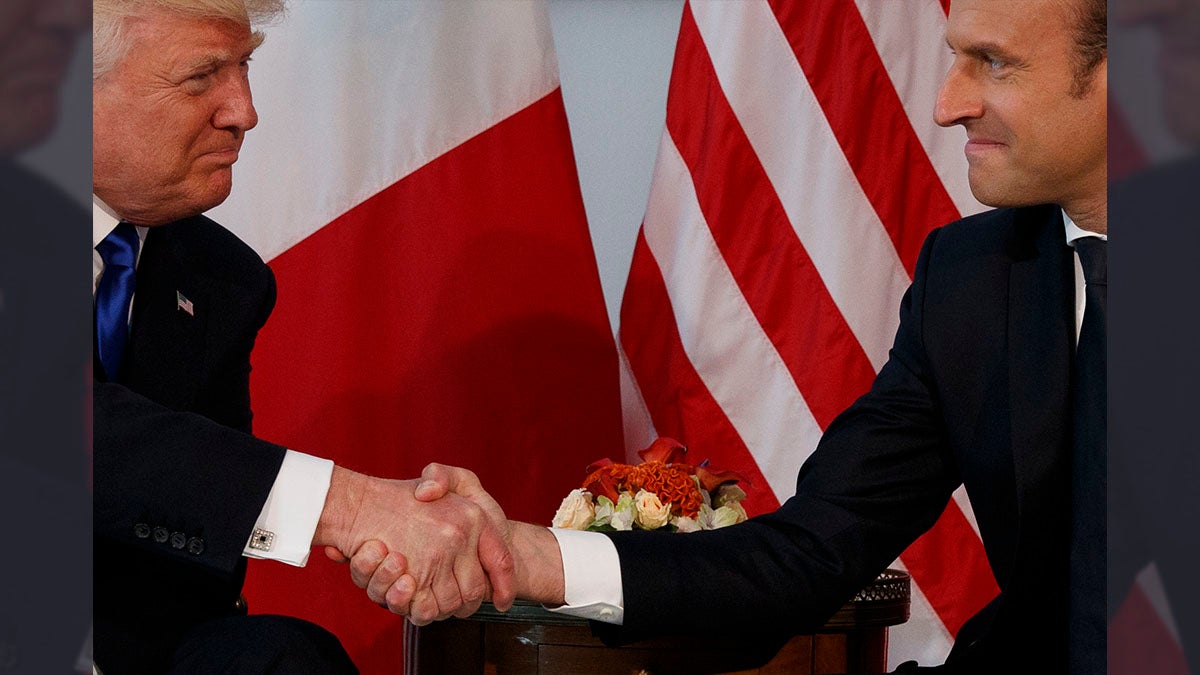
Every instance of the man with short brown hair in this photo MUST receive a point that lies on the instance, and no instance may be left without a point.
(984, 387)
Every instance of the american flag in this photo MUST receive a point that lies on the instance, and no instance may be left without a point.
(798, 174)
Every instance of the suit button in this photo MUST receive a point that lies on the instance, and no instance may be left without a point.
(161, 535)
(178, 540)
(195, 546)
(141, 531)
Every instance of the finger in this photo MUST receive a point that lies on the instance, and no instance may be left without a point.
(335, 555)
(446, 593)
(423, 609)
(400, 596)
(497, 561)
(385, 575)
(366, 560)
(437, 480)
(472, 583)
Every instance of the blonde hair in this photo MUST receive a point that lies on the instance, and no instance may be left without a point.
(110, 36)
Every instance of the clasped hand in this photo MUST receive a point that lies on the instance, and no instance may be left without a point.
(427, 549)
(419, 549)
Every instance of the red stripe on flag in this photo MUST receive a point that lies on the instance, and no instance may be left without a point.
(950, 566)
(836, 53)
(456, 316)
(1139, 642)
(679, 403)
(774, 272)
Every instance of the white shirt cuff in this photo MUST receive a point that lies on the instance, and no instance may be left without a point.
(591, 576)
(285, 528)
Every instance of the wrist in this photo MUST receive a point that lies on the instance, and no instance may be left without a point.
(538, 564)
(336, 525)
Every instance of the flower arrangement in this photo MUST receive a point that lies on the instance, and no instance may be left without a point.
(660, 493)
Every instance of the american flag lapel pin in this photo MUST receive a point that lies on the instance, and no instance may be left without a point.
(183, 303)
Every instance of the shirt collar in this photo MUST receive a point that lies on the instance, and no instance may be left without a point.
(1076, 232)
(105, 220)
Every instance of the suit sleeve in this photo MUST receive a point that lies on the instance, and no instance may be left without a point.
(880, 477)
(155, 466)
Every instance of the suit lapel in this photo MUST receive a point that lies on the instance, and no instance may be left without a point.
(1041, 329)
(162, 333)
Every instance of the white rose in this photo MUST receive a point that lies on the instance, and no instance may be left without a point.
(622, 518)
(728, 493)
(685, 524)
(651, 513)
(705, 517)
(576, 511)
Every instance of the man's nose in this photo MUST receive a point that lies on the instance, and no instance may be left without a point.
(237, 108)
(957, 100)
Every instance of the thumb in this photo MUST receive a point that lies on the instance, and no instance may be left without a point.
(438, 480)
(335, 555)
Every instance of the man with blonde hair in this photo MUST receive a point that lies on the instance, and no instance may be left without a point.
(183, 492)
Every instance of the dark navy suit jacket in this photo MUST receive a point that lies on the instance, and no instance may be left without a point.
(179, 480)
(974, 392)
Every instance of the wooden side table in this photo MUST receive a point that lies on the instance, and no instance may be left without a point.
(528, 639)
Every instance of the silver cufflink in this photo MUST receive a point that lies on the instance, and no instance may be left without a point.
(262, 540)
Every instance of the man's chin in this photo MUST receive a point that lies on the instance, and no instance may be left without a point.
(217, 191)
(197, 201)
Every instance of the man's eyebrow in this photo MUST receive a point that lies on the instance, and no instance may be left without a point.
(986, 51)
(216, 61)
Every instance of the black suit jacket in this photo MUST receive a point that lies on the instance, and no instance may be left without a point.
(179, 480)
(975, 391)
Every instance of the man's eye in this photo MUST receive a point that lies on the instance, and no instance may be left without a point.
(198, 83)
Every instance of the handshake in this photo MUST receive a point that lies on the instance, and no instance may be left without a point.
(437, 546)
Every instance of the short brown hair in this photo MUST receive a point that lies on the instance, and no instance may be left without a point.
(1091, 41)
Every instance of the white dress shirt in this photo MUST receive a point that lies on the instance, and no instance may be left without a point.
(591, 567)
(297, 498)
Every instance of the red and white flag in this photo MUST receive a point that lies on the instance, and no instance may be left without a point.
(412, 185)
(799, 173)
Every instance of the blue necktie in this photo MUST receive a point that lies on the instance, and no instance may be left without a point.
(1089, 471)
(119, 251)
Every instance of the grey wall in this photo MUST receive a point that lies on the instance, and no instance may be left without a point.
(615, 60)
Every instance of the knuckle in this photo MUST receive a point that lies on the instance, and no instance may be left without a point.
(475, 594)
(453, 534)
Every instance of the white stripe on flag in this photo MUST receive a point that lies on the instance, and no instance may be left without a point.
(911, 39)
(720, 334)
(922, 638)
(822, 198)
(635, 416)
